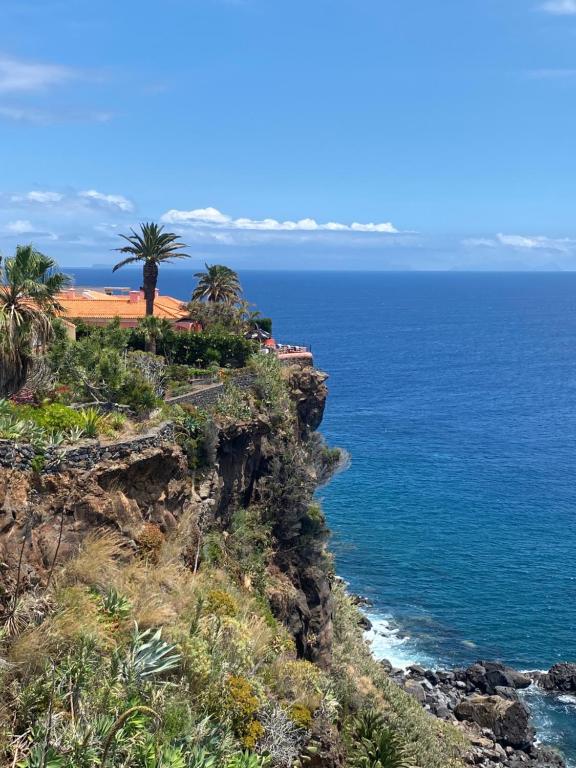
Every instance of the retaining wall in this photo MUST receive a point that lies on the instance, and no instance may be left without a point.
(87, 456)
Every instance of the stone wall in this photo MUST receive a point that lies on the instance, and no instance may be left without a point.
(86, 456)
(200, 397)
(210, 394)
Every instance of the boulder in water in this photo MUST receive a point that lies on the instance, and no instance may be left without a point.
(487, 676)
(508, 720)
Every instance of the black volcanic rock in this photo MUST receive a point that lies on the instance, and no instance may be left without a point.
(561, 677)
(487, 676)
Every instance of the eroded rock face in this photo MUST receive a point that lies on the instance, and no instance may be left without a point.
(309, 392)
(45, 515)
(509, 721)
(41, 515)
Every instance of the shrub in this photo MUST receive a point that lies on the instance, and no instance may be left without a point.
(244, 705)
(282, 739)
(137, 393)
(53, 418)
(234, 404)
(270, 384)
(252, 733)
(151, 540)
(300, 715)
(150, 368)
(221, 603)
(201, 349)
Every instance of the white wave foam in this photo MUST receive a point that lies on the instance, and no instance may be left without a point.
(388, 642)
(566, 698)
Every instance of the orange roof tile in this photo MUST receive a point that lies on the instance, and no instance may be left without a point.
(110, 307)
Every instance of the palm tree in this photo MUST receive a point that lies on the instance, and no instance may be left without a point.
(217, 284)
(154, 329)
(29, 284)
(153, 246)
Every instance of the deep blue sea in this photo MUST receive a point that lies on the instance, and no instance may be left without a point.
(455, 395)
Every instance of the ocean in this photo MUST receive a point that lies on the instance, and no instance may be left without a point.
(455, 396)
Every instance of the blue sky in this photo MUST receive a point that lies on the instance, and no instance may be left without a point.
(360, 134)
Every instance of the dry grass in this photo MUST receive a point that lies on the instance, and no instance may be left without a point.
(98, 562)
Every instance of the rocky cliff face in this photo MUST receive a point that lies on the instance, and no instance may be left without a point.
(44, 517)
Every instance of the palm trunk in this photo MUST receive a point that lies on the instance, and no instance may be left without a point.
(13, 374)
(150, 279)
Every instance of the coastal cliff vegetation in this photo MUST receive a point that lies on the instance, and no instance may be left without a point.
(178, 607)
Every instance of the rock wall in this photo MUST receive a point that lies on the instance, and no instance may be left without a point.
(201, 397)
(84, 456)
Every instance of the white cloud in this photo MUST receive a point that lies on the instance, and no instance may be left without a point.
(112, 201)
(19, 227)
(200, 216)
(212, 217)
(560, 7)
(522, 242)
(43, 198)
(17, 75)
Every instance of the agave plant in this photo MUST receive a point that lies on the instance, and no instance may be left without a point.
(41, 756)
(92, 422)
(374, 745)
(21, 431)
(248, 760)
(201, 758)
(149, 655)
(74, 435)
(56, 438)
(115, 605)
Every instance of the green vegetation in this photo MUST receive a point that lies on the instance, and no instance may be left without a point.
(140, 663)
(29, 283)
(51, 424)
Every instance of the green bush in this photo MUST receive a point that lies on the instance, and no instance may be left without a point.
(137, 393)
(203, 349)
(53, 418)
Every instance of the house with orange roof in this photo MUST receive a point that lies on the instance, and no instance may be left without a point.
(99, 306)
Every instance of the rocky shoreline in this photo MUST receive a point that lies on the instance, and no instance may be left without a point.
(486, 702)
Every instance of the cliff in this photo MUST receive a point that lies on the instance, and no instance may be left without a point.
(213, 537)
(45, 516)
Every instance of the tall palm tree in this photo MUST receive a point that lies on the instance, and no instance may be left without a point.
(152, 246)
(29, 285)
(217, 284)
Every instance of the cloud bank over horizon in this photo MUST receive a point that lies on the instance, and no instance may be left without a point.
(81, 228)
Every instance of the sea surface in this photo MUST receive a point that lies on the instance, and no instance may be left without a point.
(455, 395)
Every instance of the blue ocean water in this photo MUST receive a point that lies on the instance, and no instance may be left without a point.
(455, 395)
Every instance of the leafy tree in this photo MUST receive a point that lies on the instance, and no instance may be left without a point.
(29, 286)
(217, 284)
(152, 246)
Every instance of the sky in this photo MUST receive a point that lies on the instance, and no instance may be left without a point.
(293, 134)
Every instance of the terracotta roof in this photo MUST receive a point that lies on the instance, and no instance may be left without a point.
(109, 307)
